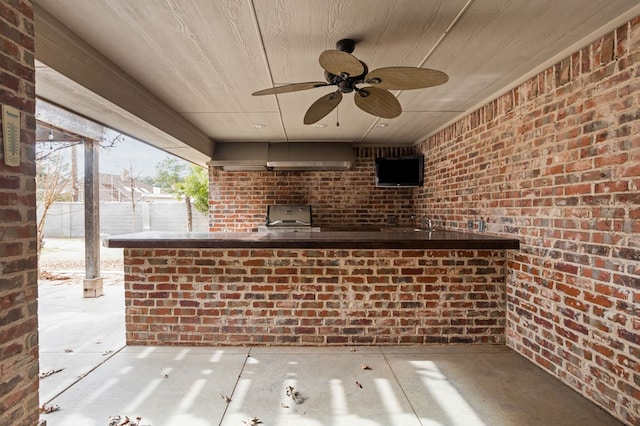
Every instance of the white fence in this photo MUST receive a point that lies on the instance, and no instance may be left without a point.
(66, 220)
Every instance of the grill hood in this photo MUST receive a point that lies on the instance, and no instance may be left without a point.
(283, 156)
(280, 215)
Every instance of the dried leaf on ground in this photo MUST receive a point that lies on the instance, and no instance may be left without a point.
(49, 408)
(49, 373)
(291, 392)
(47, 275)
(117, 420)
(251, 421)
(225, 397)
(365, 367)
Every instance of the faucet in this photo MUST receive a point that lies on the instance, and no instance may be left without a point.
(427, 224)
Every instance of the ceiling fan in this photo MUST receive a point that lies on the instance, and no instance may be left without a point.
(345, 71)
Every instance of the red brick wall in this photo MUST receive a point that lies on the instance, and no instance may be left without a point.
(18, 259)
(314, 297)
(556, 162)
(238, 200)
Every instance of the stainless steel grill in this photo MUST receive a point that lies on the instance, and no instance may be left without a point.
(292, 218)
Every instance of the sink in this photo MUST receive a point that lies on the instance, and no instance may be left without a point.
(403, 229)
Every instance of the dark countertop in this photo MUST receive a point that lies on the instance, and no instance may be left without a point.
(388, 239)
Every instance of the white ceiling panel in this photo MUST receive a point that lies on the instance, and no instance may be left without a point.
(409, 126)
(204, 58)
(239, 127)
(387, 33)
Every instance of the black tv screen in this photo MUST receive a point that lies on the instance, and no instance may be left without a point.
(400, 171)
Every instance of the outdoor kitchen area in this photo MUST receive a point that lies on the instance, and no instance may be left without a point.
(292, 283)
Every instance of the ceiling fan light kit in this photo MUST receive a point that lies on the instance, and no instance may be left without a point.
(345, 71)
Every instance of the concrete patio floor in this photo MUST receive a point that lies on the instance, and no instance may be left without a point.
(416, 385)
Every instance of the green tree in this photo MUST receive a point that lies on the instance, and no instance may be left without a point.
(196, 186)
(192, 184)
(169, 173)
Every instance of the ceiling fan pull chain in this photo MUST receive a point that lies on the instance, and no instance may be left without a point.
(337, 118)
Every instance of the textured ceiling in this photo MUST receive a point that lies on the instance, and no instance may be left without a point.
(202, 59)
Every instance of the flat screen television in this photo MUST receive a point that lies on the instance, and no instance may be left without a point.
(400, 171)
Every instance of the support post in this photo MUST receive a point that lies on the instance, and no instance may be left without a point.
(92, 284)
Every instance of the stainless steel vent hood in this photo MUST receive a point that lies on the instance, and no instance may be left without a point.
(283, 156)
(310, 156)
(240, 156)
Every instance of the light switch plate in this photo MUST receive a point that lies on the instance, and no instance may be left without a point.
(11, 135)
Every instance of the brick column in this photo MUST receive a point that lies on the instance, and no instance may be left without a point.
(18, 251)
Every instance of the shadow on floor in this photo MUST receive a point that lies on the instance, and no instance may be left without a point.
(187, 386)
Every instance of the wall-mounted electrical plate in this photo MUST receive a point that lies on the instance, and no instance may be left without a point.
(11, 135)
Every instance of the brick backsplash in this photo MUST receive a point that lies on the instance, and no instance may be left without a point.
(238, 200)
(314, 297)
(555, 162)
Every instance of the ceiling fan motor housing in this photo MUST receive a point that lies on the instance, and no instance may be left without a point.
(346, 45)
(345, 82)
(345, 86)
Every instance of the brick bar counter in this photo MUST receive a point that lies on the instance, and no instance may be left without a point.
(314, 288)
